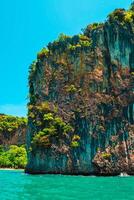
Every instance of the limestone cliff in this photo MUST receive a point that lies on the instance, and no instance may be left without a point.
(81, 113)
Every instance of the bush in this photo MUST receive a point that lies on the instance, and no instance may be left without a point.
(129, 16)
(52, 126)
(40, 140)
(62, 37)
(75, 141)
(14, 157)
(43, 53)
(118, 15)
(106, 155)
(74, 144)
(76, 137)
(71, 89)
(48, 117)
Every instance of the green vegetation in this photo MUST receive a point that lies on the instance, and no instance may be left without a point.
(91, 28)
(65, 42)
(79, 42)
(74, 144)
(129, 16)
(106, 155)
(122, 16)
(75, 141)
(43, 53)
(49, 124)
(62, 37)
(71, 89)
(9, 124)
(13, 157)
(41, 140)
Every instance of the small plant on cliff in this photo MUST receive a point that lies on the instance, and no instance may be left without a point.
(76, 138)
(43, 53)
(122, 16)
(40, 109)
(118, 15)
(106, 155)
(48, 117)
(75, 141)
(41, 140)
(74, 144)
(129, 16)
(62, 37)
(71, 89)
(91, 28)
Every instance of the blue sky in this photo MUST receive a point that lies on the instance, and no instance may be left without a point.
(28, 25)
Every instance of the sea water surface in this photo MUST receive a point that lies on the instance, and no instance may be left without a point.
(16, 185)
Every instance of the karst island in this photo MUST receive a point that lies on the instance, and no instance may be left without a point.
(81, 101)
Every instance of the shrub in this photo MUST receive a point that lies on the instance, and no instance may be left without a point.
(71, 47)
(76, 137)
(83, 37)
(74, 144)
(75, 141)
(50, 131)
(129, 16)
(14, 157)
(62, 37)
(71, 89)
(92, 27)
(43, 107)
(40, 140)
(118, 15)
(106, 155)
(43, 53)
(85, 43)
(48, 117)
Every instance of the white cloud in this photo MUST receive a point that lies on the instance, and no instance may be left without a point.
(16, 110)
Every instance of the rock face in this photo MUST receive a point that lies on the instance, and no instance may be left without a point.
(81, 109)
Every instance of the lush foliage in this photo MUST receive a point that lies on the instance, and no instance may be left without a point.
(13, 157)
(122, 16)
(48, 123)
(64, 42)
(71, 89)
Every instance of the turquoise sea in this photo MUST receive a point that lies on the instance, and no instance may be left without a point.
(16, 185)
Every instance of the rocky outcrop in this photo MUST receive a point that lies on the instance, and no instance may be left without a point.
(81, 109)
(12, 130)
